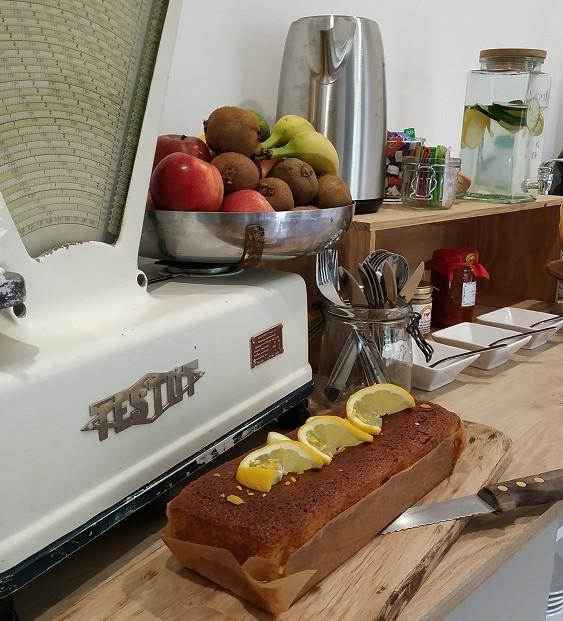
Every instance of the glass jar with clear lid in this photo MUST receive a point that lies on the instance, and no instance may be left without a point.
(503, 124)
(430, 184)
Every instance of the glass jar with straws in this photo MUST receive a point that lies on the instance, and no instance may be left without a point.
(430, 179)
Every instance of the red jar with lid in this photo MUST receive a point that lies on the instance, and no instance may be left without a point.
(454, 277)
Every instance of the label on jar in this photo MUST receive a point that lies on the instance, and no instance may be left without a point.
(468, 293)
(425, 311)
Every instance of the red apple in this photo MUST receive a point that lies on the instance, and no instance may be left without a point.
(181, 182)
(246, 200)
(176, 143)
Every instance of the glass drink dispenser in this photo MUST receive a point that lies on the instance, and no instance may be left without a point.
(503, 124)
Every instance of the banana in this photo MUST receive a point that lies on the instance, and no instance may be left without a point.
(283, 131)
(311, 147)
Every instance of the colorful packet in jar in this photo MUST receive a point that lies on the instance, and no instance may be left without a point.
(399, 145)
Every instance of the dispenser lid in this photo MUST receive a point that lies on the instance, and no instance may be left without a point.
(510, 52)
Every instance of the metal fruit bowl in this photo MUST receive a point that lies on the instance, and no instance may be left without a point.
(223, 238)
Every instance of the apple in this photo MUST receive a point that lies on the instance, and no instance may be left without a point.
(181, 182)
(245, 201)
(266, 166)
(176, 143)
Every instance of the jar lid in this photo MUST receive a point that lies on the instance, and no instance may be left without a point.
(509, 52)
(447, 260)
(425, 288)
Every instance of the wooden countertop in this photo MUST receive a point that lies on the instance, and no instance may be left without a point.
(395, 216)
(523, 398)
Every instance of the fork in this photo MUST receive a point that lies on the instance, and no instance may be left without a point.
(326, 275)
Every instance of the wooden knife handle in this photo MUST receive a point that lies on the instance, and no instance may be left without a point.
(529, 491)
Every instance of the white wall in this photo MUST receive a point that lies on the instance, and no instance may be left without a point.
(229, 53)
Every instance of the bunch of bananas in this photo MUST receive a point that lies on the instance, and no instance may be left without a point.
(294, 136)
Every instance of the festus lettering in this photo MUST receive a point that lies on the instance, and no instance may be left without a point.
(144, 402)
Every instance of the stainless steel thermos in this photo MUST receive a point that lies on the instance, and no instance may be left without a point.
(333, 74)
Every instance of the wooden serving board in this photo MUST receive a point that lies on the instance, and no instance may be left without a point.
(376, 583)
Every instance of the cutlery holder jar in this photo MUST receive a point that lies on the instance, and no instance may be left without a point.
(363, 346)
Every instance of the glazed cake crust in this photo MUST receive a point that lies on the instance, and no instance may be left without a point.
(276, 524)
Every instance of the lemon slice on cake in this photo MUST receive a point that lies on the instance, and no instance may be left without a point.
(365, 408)
(274, 436)
(266, 466)
(329, 435)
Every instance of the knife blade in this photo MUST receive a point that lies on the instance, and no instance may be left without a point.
(501, 497)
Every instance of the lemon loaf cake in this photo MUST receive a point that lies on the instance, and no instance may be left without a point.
(275, 524)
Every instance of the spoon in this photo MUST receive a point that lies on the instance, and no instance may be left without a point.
(390, 284)
(465, 354)
(352, 288)
(521, 334)
(550, 320)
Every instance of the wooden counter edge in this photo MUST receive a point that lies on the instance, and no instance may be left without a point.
(392, 216)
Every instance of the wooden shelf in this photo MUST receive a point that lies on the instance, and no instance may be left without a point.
(514, 242)
(395, 216)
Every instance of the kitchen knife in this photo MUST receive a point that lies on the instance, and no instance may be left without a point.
(498, 498)
(408, 291)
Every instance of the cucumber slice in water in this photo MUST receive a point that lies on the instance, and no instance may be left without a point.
(511, 105)
(484, 110)
(510, 128)
(509, 116)
(533, 114)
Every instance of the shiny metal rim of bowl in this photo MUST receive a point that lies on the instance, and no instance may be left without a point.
(219, 237)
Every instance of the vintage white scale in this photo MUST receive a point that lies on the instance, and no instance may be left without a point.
(112, 389)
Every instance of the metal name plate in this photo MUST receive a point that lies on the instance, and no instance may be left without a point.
(144, 402)
(266, 345)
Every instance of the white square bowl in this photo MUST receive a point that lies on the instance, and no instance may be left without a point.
(425, 378)
(521, 320)
(475, 336)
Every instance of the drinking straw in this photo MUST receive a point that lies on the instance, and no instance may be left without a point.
(440, 172)
(422, 185)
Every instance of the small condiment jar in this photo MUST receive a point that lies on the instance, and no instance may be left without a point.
(422, 304)
(454, 277)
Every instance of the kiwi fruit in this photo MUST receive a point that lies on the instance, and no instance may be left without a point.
(277, 193)
(299, 176)
(306, 208)
(264, 127)
(333, 192)
(232, 129)
(237, 171)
